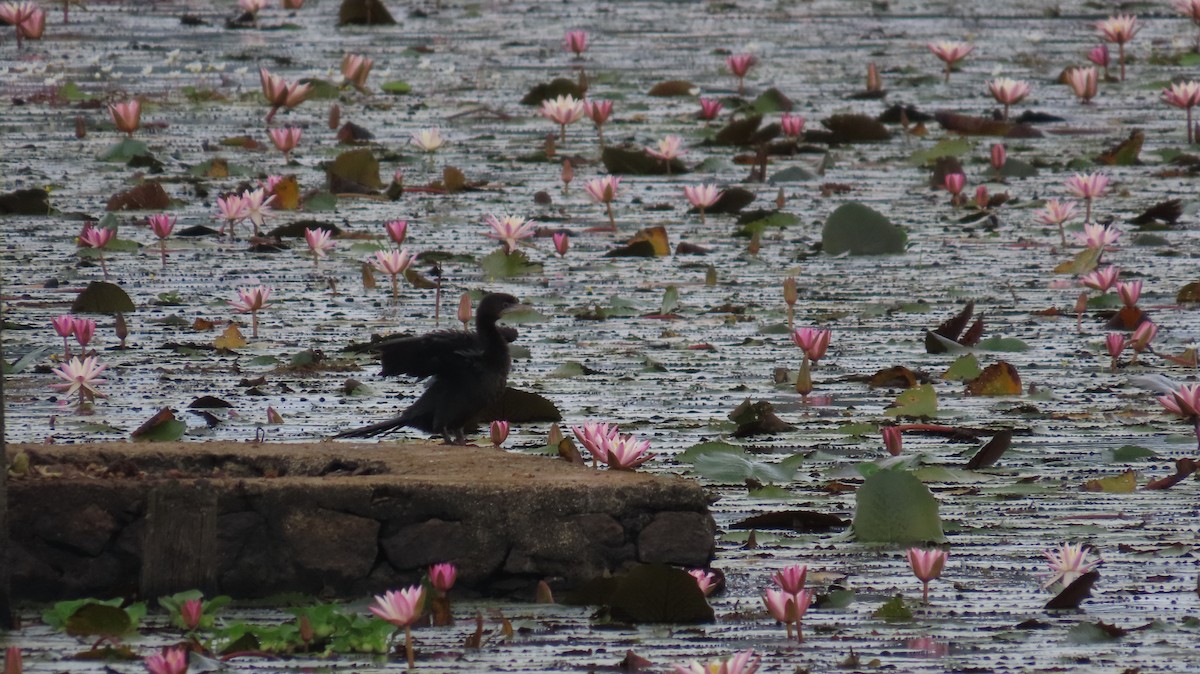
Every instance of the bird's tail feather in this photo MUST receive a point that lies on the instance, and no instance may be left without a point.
(382, 428)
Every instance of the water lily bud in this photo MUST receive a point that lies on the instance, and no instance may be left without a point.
(874, 81)
(335, 117)
(499, 432)
(999, 156)
(893, 440)
(464, 309)
(555, 436)
(568, 173)
(790, 293)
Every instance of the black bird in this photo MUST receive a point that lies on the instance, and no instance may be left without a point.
(467, 371)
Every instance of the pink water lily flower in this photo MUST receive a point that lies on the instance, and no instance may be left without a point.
(280, 93)
(812, 341)
(509, 230)
(83, 329)
(251, 301)
(1141, 338)
(666, 150)
(705, 580)
(1129, 292)
(562, 241)
(320, 242)
(397, 230)
(592, 435)
(1008, 92)
(926, 566)
(792, 125)
(702, 197)
(256, 204)
(709, 109)
(191, 611)
(950, 52)
(172, 660)
(624, 452)
(1097, 236)
(576, 42)
(1083, 82)
(1120, 29)
(442, 576)
(1099, 56)
(788, 608)
(498, 432)
(598, 111)
(1068, 562)
(233, 210)
(1182, 401)
(998, 157)
(1115, 343)
(81, 376)
(562, 110)
(893, 440)
(603, 190)
(393, 263)
(791, 579)
(356, 68)
(28, 20)
(1101, 279)
(954, 184)
(97, 238)
(1088, 186)
(285, 140)
(65, 327)
(161, 224)
(743, 662)
(1190, 9)
(401, 608)
(252, 7)
(740, 65)
(127, 116)
(1058, 213)
(1184, 95)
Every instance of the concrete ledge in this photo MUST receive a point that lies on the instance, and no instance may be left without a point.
(335, 519)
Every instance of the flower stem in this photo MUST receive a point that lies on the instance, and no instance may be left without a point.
(408, 645)
(925, 594)
(162, 251)
(254, 324)
(612, 222)
(395, 289)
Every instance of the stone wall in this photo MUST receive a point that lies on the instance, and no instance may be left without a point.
(334, 519)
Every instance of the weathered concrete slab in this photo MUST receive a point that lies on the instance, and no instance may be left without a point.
(333, 519)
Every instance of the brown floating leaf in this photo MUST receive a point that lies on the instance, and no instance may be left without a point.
(997, 379)
(295, 229)
(543, 594)
(738, 132)
(950, 329)
(650, 242)
(635, 161)
(803, 521)
(896, 376)
(560, 86)
(33, 201)
(855, 128)
(453, 179)
(569, 452)
(352, 134)
(1189, 357)
(971, 125)
(1124, 153)
(475, 639)
(287, 194)
(1183, 468)
(732, 200)
(1128, 318)
(971, 337)
(149, 196)
(673, 88)
(355, 171)
(634, 663)
(230, 339)
(208, 402)
(202, 325)
(161, 417)
(1074, 594)
(756, 419)
(364, 13)
(992, 451)
(273, 417)
(1166, 212)
(1189, 293)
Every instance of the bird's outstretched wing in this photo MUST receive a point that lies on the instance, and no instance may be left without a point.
(433, 353)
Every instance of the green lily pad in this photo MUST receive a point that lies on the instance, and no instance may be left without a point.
(101, 297)
(860, 230)
(125, 150)
(770, 101)
(396, 87)
(1006, 344)
(920, 402)
(736, 468)
(947, 147)
(499, 264)
(893, 506)
(1129, 453)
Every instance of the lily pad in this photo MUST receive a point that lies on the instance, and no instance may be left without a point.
(919, 402)
(499, 264)
(861, 230)
(893, 506)
(102, 297)
(354, 169)
(396, 87)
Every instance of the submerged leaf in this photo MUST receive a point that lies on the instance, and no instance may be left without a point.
(802, 521)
